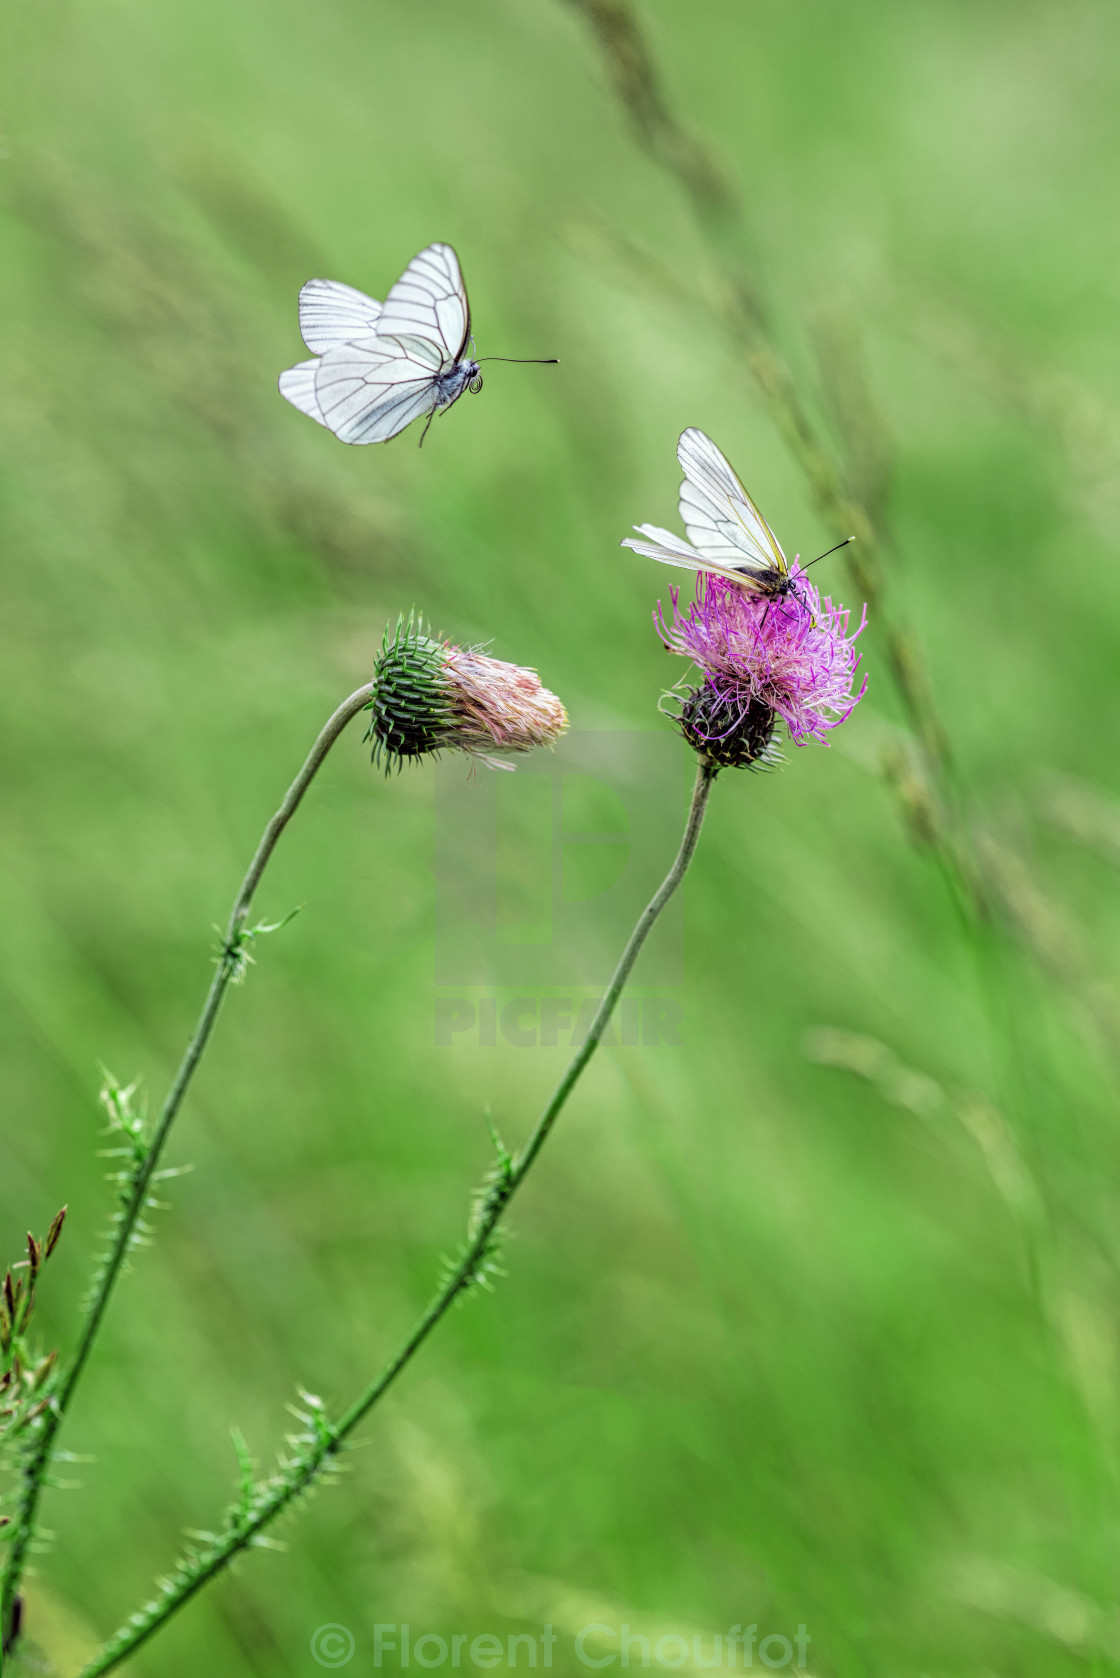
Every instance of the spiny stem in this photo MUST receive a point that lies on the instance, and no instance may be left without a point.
(35, 1469)
(285, 1488)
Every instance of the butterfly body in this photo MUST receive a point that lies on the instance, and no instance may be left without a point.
(774, 584)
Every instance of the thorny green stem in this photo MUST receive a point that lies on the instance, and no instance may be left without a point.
(287, 1486)
(35, 1472)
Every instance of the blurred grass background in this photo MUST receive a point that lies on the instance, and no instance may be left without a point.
(780, 1342)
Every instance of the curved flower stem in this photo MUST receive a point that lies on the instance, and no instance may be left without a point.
(271, 1499)
(230, 965)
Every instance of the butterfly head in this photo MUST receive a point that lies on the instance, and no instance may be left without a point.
(449, 386)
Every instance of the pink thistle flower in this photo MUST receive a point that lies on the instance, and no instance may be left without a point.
(763, 659)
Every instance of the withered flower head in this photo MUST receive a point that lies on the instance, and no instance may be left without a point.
(431, 696)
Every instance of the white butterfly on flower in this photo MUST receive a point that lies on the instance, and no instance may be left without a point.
(376, 367)
(727, 535)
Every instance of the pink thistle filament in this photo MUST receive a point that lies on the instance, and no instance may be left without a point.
(793, 656)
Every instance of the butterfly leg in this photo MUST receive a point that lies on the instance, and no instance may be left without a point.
(804, 604)
(424, 433)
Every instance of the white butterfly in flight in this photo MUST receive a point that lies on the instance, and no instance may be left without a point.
(727, 535)
(376, 367)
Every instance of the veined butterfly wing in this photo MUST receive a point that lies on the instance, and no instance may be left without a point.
(297, 384)
(674, 550)
(719, 515)
(331, 313)
(429, 301)
(369, 390)
(663, 545)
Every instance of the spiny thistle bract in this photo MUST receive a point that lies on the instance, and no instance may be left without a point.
(727, 730)
(430, 696)
(764, 661)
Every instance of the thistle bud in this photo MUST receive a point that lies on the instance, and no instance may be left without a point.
(430, 696)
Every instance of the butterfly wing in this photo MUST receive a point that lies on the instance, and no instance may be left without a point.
(331, 313)
(673, 550)
(663, 545)
(720, 517)
(429, 302)
(370, 389)
(297, 384)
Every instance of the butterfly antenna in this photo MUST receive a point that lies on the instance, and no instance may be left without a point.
(828, 551)
(525, 360)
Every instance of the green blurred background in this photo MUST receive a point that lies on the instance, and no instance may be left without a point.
(780, 1343)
